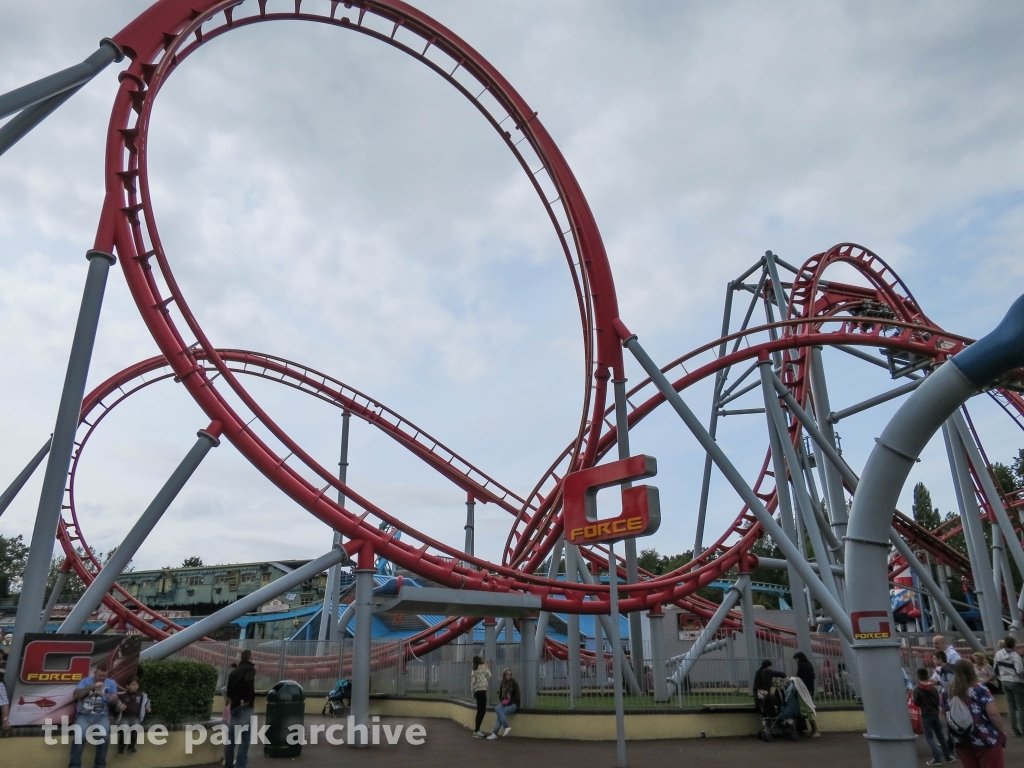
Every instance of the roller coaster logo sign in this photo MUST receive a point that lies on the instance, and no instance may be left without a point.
(641, 506)
(877, 626)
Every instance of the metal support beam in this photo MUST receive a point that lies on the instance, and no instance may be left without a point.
(732, 596)
(58, 587)
(833, 490)
(836, 416)
(51, 498)
(740, 485)
(332, 596)
(573, 620)
(362, 645)
(974, 534)
(19, 482)
(636, 631)
(618, 659)
(528, 643)
(243, 605)
(490, 651)
(750, 630)
(470, 526)
(545, 616)
(656, 621)
(207, 439)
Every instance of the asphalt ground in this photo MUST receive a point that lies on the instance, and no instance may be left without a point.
(449, 745)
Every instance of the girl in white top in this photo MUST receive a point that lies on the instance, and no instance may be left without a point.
(481, 682)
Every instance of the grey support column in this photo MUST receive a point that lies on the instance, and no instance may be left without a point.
(58, 587)
(470, 524)
(618, 659)
(38, 100)
(974, 535)
(528, 641)
(243, 605)
(636, 630)
(15, 487)
(742, 488)
(490, 651)
(127, 549)
(545, 616)
(573, 621)
(891, 739)
(750, 631)
(334, 577)
(362, 647)
(656, 621)
(732, 596)
(801, 609)
(833, 481)
(51, 498)
(988, 487)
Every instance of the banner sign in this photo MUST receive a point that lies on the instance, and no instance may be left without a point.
(53, 665)
(641, 508)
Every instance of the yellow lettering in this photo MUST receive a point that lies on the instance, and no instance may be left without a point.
(590, 531)
(619, 526)
(575, 532)
(634, 524)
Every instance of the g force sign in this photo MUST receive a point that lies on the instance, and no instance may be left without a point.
(641, 507)
(871, 625)
(57, 661)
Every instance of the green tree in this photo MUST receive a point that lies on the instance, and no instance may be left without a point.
(1005, 477)
(1017, 465)
(924, 513)
(13, 556)
(192, 562)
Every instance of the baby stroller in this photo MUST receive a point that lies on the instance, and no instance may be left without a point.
(339, 700)
(780, 710)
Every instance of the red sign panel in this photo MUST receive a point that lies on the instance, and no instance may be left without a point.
(871, 625)
(641, 507)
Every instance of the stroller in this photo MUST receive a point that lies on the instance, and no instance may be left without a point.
(339, 700)
(780, 712)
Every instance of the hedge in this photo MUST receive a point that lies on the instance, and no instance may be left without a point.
(179, 691)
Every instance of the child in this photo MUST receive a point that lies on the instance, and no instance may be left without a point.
(926, 698)
(133, 706)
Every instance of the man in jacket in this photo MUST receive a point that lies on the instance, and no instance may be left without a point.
(241, 692)
(1010, 668)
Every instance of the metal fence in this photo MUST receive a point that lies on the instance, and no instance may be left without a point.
(721, 678)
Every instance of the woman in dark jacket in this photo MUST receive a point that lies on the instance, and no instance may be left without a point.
(508, 702)
(805, 671)
(763, 682)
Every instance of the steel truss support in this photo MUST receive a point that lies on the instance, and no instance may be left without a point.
(740, 485)
(848, 476)
(36, 101)
(207, 439)
(244, 605)
(974, 535)
(636, 631)
(58, 587)
(490, 651)
(19, 482)
(332, 595)
(528, 644)
(871, 402)
(750, 629)
(362, 645)
(37, 569)
(572, 557)
(656, 621)
(545, 616)
(732, 596)
(836, 499)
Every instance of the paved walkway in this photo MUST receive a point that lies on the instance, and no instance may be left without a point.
(449, 745)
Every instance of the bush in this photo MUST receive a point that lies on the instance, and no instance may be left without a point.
(179, 691)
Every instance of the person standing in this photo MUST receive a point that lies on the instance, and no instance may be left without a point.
(481, 680)
(1010, 669)
(926, 698)
(93, 695)
(5, 708)
(508, 702)
(974, 721)
(132, 710)
(939, 644)
(241, 692)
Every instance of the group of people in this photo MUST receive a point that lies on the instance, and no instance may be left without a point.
(958, 710)
(97, 702)
(804, 681)
(508, 699)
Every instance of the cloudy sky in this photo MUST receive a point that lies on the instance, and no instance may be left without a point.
(327, 199)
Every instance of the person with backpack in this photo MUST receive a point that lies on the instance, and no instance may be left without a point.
(943, 674)
(241, 690)
(1010, 669)
(974, 722)
(926, 698)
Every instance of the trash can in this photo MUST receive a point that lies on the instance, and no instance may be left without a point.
(286, 707)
